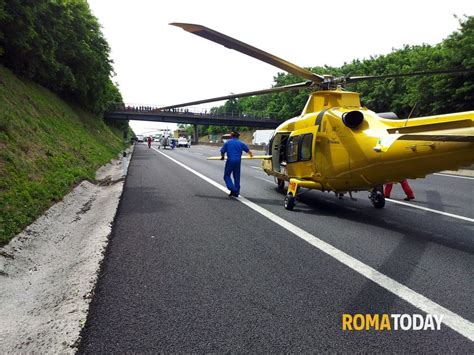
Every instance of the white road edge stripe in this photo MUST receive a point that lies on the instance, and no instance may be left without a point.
(451, 319)
(431, 210)
(455, 176)
(421, 207)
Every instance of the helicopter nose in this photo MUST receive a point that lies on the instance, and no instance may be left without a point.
(352, 119)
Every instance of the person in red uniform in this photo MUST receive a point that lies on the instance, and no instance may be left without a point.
(149, 142)
(405, 187)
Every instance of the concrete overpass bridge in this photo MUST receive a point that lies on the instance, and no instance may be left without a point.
(194, 117)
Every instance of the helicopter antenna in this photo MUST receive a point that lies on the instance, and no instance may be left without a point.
(411, 112)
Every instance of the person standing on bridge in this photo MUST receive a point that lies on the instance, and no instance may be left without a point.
(233, 148)
(149, 142)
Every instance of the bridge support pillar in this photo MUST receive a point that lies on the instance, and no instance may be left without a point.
(195, 135)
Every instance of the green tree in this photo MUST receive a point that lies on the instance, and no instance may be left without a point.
(425, 95)
(58, 44)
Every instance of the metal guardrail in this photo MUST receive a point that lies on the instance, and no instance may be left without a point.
(193, 111)
(187, 116)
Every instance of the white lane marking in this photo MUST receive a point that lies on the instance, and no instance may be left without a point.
(451, 319)
(263, 179)
(205, 178)
(403, 203)
(431, 210)
(455, 176)
(420, 207)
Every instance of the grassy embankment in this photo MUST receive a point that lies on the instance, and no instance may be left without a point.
(46, 147)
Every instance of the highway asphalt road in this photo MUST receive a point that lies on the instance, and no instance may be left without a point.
(189, 269)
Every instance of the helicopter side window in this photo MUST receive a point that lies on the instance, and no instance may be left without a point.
(306, 143)
(282, 147)
(292, 149)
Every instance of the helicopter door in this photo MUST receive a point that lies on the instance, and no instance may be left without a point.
(333, 160)
(278, 152)
(301, 153)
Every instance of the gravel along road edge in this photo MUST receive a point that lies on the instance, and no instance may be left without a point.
(49, 271)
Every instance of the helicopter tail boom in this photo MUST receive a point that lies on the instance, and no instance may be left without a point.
(454, 130)
(453, 135)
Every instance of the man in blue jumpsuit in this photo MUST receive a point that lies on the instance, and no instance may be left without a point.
(234, 148)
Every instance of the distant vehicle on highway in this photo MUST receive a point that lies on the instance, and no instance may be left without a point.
(183, 142)
(140, 138)
(262, 136)
(168, 142)
(173, 142)
(225, 137)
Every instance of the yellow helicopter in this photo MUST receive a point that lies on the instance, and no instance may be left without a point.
(340, 146)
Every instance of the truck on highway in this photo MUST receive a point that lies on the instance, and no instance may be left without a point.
(262, 136)
(225, 137)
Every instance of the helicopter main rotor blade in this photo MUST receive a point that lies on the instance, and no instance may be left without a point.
(353, 79)
(249, 50)
(291, 87)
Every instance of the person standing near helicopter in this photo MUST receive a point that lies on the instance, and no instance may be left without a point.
(233, 148)
(406, 188)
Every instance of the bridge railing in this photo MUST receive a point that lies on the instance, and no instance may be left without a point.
(195, 111)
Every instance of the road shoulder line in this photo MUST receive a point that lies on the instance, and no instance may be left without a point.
(431, 210)
(451, 319)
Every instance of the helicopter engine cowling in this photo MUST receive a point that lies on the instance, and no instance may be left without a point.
(352, 119)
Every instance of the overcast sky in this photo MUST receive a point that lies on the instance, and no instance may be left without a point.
(161, 64)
